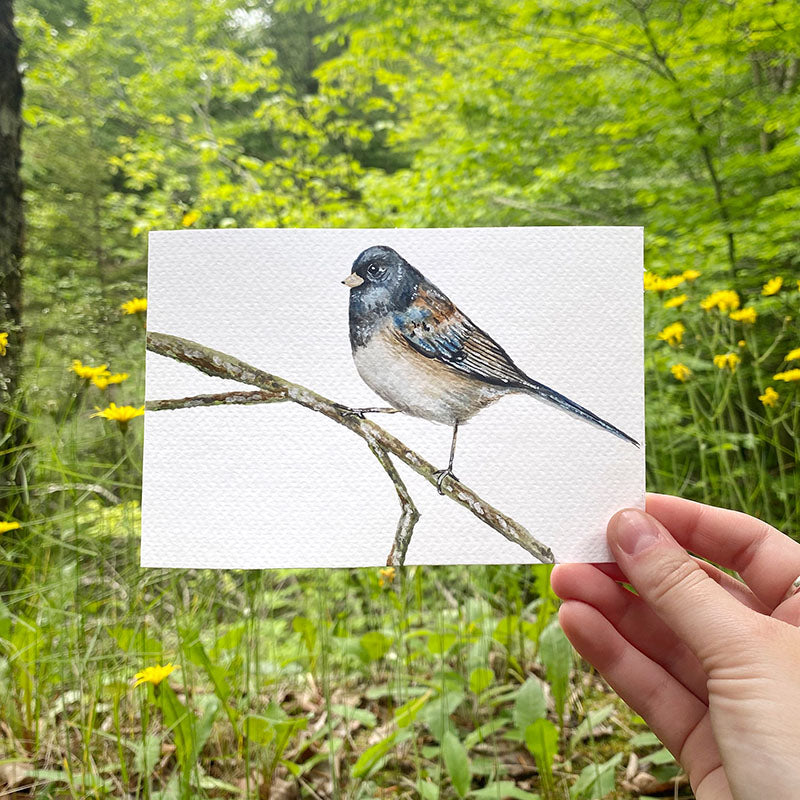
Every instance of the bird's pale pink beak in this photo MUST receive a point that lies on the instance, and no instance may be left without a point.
(353, 280)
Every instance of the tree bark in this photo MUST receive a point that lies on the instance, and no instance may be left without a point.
(11, 249)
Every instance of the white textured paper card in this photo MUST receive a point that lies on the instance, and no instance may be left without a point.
(530, 339)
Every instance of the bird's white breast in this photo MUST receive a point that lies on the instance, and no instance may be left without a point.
(423, 387)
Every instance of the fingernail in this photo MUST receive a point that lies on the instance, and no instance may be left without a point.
(633, 531)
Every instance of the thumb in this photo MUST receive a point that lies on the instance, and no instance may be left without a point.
(675, 587)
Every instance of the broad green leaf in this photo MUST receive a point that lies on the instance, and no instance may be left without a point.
(436, 715)
(146, 754)
(506, 629)
(480, 678)
(229, 640)
(373, 756)
(662, 756)
(502, 790)
(440, 643)
(284, 730)
(179, 720)
(375, 644)
(136, 641)
(541, 739)
(456, 761)
(209, 706)
(407, 713)
(427, 789)
(644, 739)
(482, 733)
(90, 781)
(307, 630)
(555, 652)
(360, 715)
(596, 780)
(217, 674)
(215, 784)
(530, 704)
(258, 730)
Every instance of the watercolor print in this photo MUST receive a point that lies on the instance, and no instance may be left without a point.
(424, 357)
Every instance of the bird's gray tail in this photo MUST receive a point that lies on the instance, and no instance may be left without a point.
(565, 404)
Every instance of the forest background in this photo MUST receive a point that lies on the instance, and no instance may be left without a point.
(681, 116)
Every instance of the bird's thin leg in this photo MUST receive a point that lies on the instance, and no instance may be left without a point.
(444, 473)
(359, 412)
(453, 448)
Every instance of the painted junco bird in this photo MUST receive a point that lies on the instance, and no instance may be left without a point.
(414, 348)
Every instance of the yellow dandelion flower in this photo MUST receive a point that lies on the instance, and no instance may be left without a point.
(8, 526)
(772, 286)
(675, 302)
(742, 343)
(680, 372)
(673, 334)
(103, 381)
(725, 300)
(154, 674)
(691, 274)
(189, 218)
(672, 281)
(136, 306)
(728, 361)
(748, 315)
(655, 283)
(121, 414)
(89, 373)
(793, 355)
(789, 375)
(3, 343)
(386, 576)
(770, 397)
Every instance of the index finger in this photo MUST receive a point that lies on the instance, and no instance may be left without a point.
(767, 559)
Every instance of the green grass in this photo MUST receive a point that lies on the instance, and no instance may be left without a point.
(443, 683)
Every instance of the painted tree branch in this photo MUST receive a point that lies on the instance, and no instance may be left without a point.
(382, 444)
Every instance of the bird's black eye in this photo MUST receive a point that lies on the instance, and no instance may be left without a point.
(375, 270)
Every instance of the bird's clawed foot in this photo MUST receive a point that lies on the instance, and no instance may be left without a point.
(346, 411)
(440, 476)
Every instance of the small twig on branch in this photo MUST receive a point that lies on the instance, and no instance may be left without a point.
(409, 514)
(380, 441)
(223, 399)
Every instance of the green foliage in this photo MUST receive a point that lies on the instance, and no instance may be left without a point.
(457, 763)
(556, 654)
(541, 738)
(596, 780)
(530, 704)
(233, 113)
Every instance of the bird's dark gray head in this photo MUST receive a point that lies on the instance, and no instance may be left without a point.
(379, 265)
(382, 282)
(382, 277)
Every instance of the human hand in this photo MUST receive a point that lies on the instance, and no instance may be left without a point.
(711, 663)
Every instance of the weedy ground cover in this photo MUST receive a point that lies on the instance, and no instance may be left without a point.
(422, 682)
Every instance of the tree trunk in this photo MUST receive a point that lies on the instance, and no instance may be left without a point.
(11, 246)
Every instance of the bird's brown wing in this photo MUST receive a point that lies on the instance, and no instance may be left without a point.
(434, 327)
